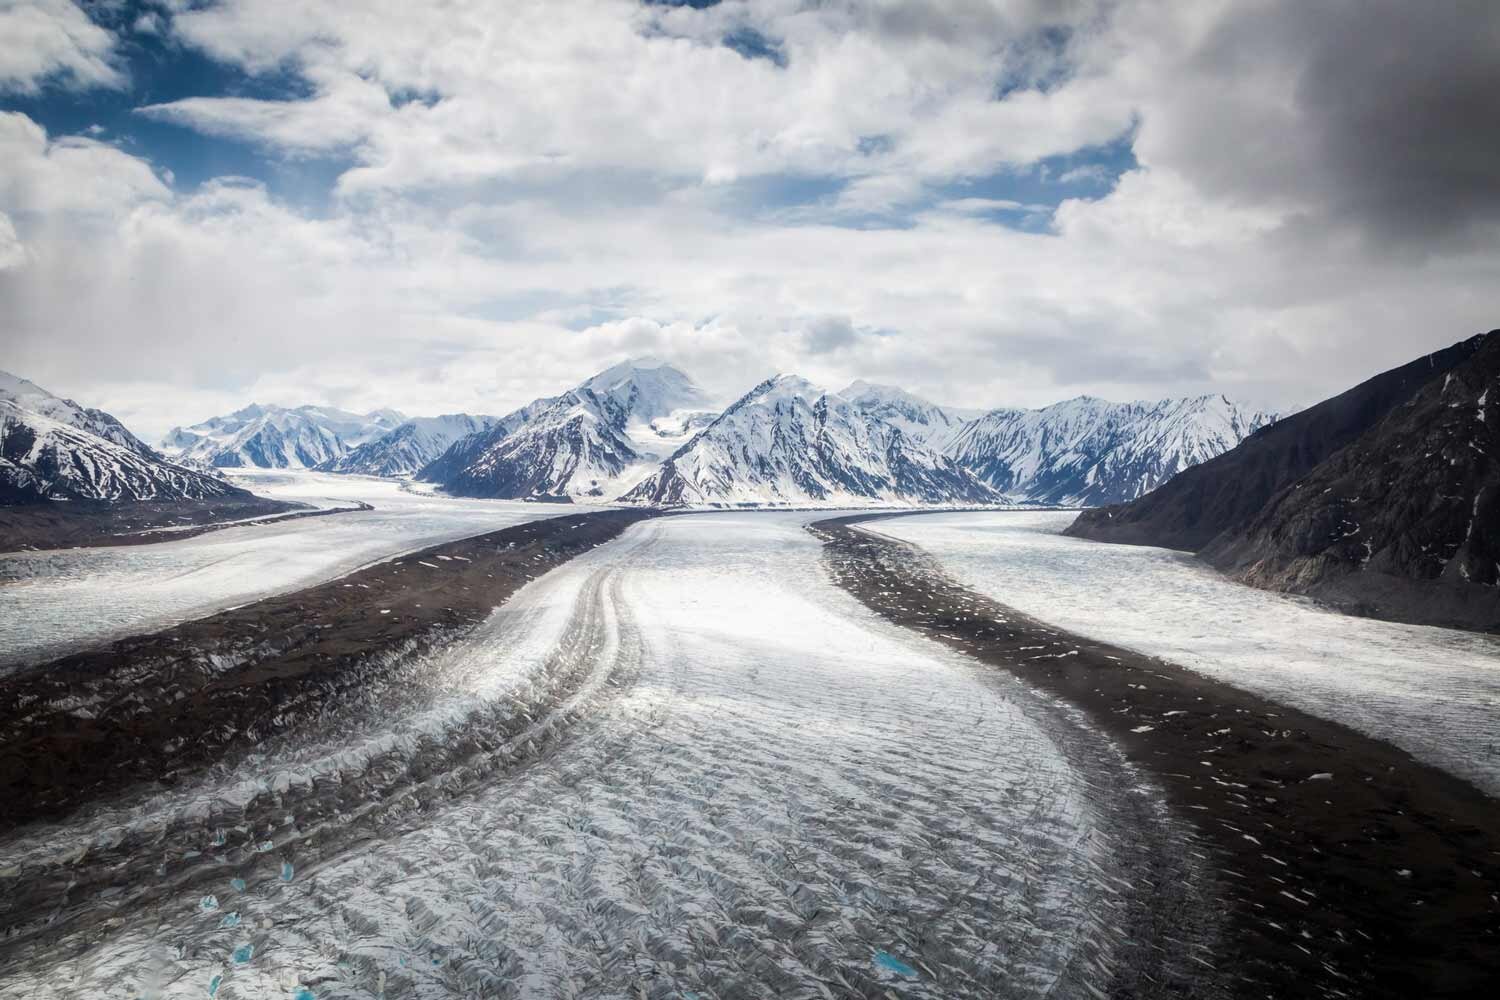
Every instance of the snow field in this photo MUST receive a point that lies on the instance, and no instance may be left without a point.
(55, 601)
(1433, 692)
(766, 791)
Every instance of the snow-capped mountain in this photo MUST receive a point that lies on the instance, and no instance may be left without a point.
(929, 423)
(1089, 451)
(53, 449)
(595, 440)
(788, 442)
(574, 446)
(647, 389)
(410, 447)
(275, 437)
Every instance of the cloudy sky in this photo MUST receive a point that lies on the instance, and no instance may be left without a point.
(461, 205)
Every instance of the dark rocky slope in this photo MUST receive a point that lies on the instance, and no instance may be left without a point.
(1405, 522)
(1348, 869)
(1190, 509)
(1383, 500)
(166, 705)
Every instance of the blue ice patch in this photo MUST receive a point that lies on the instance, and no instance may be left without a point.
(229, 920)
(243, 954)
(209, 902)
(213, 985)
(237, 884)
(304, 994)
(266, 845)
(891, 963)
(287, 871)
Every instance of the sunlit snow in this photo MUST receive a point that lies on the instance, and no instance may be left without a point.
(764, 787)
(1434, 692)
(51, 602)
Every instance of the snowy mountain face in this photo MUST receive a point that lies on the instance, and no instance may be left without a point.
(274, 437)
(929, 423)
(593, 441)
(789, 443)
(54, 449)
(646, 389)
(575, 446)
(1088, 451)
(411, 446)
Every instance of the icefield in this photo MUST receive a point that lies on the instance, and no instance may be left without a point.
(52, 602)
(764, 790)
(1433, 692)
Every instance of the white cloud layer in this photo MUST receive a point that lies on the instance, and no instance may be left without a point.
(42, 40)
(530, 196)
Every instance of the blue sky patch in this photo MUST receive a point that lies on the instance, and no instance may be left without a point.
(753, 45)
(160, 71)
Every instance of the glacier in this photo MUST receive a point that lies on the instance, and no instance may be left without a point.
(55, 601)
(1434, 692)
(738, 810)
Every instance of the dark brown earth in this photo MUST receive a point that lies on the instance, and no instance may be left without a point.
(157, 708)
(1404, 523)
(85, 524)
(1354, 870)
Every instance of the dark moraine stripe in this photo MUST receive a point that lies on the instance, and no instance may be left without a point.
(1355, 870)
(156, 709)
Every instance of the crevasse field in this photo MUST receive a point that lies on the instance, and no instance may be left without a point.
(742, 794)
(1434, 692)
(52, 602)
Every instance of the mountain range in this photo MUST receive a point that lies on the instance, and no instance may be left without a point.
(409, 447)
(1383, 500)
(643, 432)
(275, 437)
(54, 449)
(595, 440)
(789, 442)
(640, 432)
(1088, 451)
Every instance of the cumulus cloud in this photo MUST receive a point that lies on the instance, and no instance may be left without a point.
(1363, 117)
(68, 175)
(53, 41)
(12, 251)
(509, 85)
(830, 333)
(531, 197)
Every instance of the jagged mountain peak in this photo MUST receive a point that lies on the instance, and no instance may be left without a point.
(54, 449)
(646, 388)
(595, 439)
(788, 441)
(920, 418)
(1087, 450)
(16, 387)
(249, 412)
(27, 395)
(410, 446)
(278, 437)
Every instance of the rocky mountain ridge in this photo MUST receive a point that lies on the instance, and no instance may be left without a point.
(1383, 500)
(53, 449)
